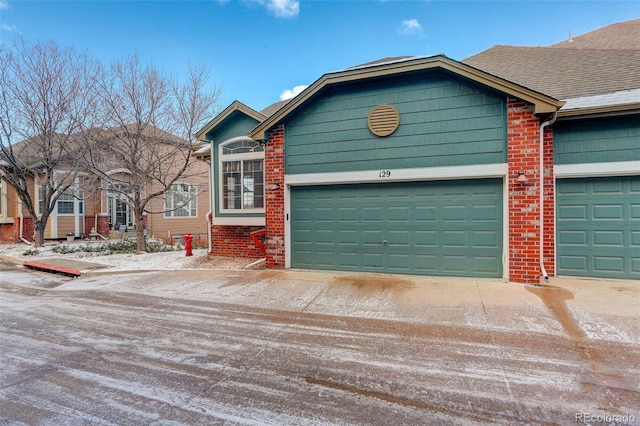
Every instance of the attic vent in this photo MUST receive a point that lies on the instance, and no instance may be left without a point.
(383, 120)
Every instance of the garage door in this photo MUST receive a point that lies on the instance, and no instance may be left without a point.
(433, 228)
(598, 227)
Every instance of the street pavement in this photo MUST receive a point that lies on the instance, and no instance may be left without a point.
(308, 347)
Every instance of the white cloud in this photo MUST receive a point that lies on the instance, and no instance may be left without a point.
(7, 27)
(4, 4)
(284, 8)
(410, 27)
(290, 93)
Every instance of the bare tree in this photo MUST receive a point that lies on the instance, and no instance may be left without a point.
(47, 101)
(149, 122)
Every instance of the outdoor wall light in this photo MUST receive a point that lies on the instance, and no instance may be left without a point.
(273, 186)
(522, 177)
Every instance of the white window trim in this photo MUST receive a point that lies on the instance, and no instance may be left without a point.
(238, 157)
(3, 203)
(192, 200)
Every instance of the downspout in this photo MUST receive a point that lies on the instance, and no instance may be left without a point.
(212, 204)
(541, 185)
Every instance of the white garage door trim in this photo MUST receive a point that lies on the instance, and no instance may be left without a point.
(498, 170)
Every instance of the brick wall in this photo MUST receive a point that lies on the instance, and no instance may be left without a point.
(234, 241)
(8, 232)
(103, 225)
(274, 211)
(28, 230)
(524, 198)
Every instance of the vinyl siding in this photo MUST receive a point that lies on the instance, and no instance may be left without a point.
(595, 141)
(443, 122)
(236, 124)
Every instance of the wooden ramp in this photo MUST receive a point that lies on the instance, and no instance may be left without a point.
(55, 269)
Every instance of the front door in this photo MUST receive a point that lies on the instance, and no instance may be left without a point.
(119, 214)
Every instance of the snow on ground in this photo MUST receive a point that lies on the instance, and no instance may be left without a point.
(170, 260)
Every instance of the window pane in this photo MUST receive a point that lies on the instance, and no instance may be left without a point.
(65, 202)
(231, 185)
(242, 147)
(181, 201)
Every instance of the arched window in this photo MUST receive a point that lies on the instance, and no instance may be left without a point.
(242, 175)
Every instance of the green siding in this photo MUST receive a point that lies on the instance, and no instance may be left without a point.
(430, 228)
(598, 227)
(443, 122)
(236, 124)
(596, 141)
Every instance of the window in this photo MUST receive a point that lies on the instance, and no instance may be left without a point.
(181, 201)
(242, 170)
(66, 202)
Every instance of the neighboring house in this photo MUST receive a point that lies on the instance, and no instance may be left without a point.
(427, 165)
(8, 211)
(92, 204)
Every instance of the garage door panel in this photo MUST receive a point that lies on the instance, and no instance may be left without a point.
(486, 264)
(424, 239)
(485, 239)
(608, 212)
(454, 264)
(454, 214)
(454, 239)
(597, 233)
(435, 228)
(572, 212)
(399, 239)
(608, 263)
(609, 238)
(572, 238)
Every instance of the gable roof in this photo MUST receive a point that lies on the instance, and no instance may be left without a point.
(402, 65)
(233, 107)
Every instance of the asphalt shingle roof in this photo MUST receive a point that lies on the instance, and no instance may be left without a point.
(571, 69)
(620, 36)
(562, 73)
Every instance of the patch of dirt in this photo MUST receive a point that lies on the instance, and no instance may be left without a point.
(221, 262)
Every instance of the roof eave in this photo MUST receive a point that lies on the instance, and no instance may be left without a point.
(600, 111)
(543, 104)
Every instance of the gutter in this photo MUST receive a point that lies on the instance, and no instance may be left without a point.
(543, 271)
(212, 204)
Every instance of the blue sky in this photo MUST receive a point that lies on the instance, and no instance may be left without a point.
(259, 49)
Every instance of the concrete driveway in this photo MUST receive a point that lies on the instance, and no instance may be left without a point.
(297, 347)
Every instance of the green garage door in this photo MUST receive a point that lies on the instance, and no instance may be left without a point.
(598, 227)
(433, 228)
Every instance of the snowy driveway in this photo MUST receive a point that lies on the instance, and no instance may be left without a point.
(274, 347)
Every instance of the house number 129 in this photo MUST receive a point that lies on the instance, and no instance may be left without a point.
(384, 173)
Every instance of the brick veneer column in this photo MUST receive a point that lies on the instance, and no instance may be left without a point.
(28, 230)
(102, 227)
(274, 199)
(549, 228)
(524, 199)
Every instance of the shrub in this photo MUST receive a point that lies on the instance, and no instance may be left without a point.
(31, 252)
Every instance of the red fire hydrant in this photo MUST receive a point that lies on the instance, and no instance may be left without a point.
(188, 240)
